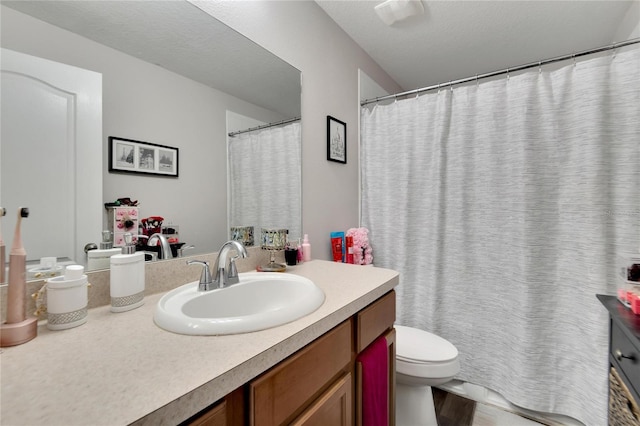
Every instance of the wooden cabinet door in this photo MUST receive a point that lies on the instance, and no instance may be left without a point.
(216, 416)
(284, 391)
(331, 408)
(228, 412)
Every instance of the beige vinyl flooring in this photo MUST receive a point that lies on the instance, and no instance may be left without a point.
(454, 410)
(488, 415)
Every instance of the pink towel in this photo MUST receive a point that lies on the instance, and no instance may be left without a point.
(375, 376)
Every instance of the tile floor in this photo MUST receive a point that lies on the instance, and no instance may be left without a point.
(488, 415)
(455, 410)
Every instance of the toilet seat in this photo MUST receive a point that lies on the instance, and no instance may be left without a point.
(423, 354)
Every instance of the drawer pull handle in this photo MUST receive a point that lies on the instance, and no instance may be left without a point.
(619, 355)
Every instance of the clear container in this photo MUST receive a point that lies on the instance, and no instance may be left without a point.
(172, 232)
(628, 277)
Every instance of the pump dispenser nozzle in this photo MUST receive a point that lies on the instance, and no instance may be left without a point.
(129, 246)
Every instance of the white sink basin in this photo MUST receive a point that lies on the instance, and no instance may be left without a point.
(260, 300)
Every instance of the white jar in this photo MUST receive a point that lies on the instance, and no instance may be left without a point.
(67, 299)
(127, 281)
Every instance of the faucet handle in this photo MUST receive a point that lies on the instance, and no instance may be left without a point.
(233, 278)
(182, 249)
(205, 278)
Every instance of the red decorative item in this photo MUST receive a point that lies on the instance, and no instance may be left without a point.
(152, 225)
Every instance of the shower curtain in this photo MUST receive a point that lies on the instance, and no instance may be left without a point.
(265, 179)
(503, 206)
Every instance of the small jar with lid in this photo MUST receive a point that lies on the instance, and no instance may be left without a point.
(67, 299)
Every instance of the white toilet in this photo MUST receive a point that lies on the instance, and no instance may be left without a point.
(422, 360)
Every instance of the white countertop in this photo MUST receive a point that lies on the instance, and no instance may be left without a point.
(120, 368)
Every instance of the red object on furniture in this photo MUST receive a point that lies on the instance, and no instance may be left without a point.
(375, 386)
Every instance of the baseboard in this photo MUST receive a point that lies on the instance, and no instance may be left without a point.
(487, 396)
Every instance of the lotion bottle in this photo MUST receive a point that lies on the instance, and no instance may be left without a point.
(349, 243)
(306, 248)
(300, 252)
(127, 277)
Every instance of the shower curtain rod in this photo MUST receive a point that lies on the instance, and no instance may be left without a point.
(264, 126)
(504, 71)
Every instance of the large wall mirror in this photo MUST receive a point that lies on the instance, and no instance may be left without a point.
(172, 75)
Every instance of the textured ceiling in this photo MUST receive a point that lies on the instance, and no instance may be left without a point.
(180, 37)
(452, 40)
(459, 39)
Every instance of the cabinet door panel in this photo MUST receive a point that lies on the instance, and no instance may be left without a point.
(332, 408)
(626, 355)
(288, 388)
(216, 416)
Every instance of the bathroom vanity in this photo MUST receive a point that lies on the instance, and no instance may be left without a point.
(320, 384)
(123, 369)
(624, 359)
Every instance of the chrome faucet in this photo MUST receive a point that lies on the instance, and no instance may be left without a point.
(230, 276)
(165, 248)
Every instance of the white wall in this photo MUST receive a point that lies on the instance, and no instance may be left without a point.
(630, 26)
(144, 102)
(369, 89)
(302, 34)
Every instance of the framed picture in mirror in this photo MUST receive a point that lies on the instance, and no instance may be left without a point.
(336, 140)
(131, 156)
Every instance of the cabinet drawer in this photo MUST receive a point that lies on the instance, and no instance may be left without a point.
(289, 387)
(623, 409)
(626, 354)
(375, 319)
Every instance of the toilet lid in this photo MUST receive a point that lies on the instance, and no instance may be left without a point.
(414, 345)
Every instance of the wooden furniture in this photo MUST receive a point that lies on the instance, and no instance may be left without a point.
(624, 359)
(319, 384)
(377, 320)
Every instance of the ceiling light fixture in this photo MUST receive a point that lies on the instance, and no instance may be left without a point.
(392, 11)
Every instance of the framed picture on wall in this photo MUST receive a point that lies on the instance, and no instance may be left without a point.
(131, 156)
(336, 140)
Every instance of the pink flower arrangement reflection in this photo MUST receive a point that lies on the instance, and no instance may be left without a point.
(362, 251)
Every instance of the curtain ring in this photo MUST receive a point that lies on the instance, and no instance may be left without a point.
(450, 86)
(574, 59)
(539, 67)
(508, 76)
(477, 82)
(439, 88)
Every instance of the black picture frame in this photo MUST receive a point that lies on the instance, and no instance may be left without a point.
(138, 157)
(336, 140)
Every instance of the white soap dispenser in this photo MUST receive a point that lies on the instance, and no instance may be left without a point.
(127, 277)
